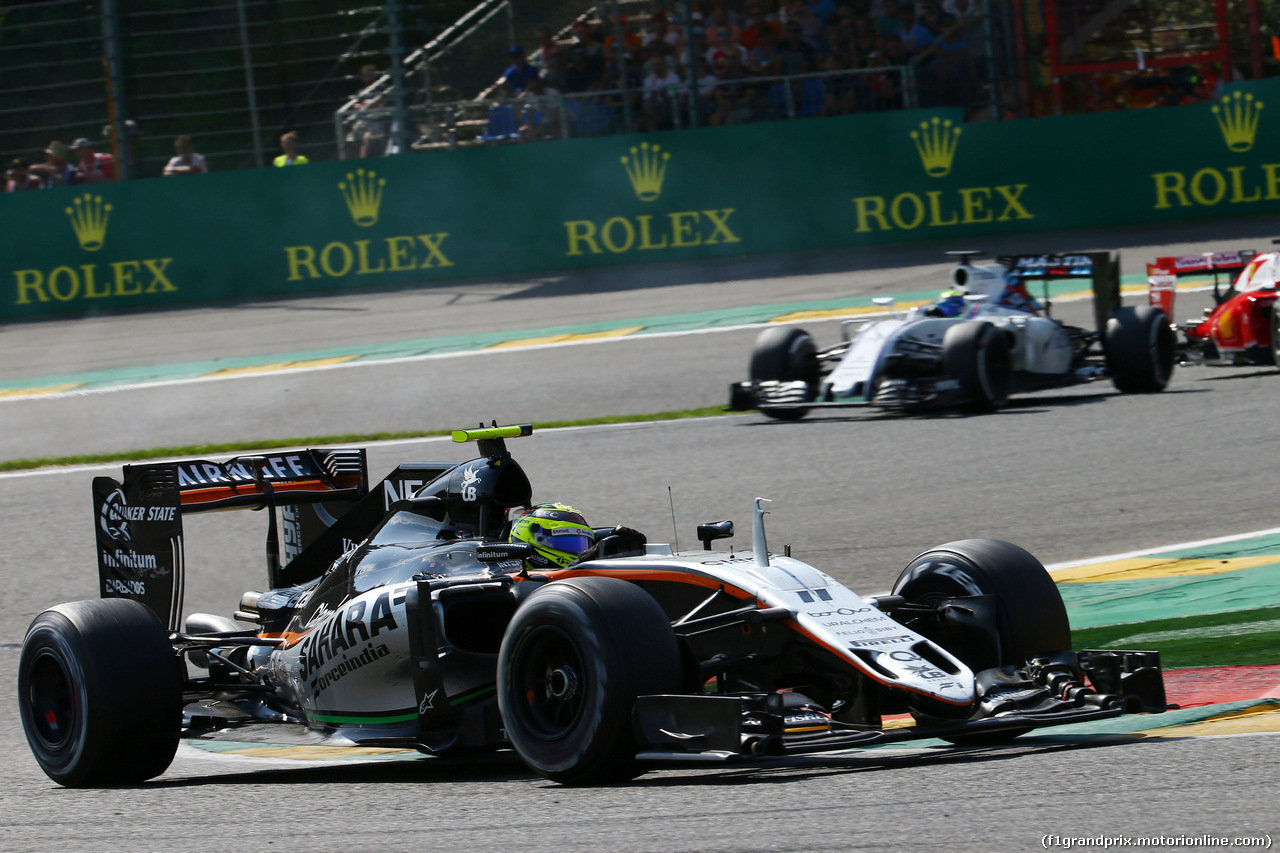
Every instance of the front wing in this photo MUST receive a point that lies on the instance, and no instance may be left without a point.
(1014, 700)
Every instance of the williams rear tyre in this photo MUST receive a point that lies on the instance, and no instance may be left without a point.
(573, 661)
(977, 355)
(785, 354)
(1141, 348)
(100, 693)
(1029, 618)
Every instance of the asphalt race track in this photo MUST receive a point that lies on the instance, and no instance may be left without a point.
(1072, 474)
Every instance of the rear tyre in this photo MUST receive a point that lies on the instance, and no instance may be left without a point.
(1030, 617)
(100, 693)
(1140, 346)
(977, 355)
(785, 354)
(573, 661)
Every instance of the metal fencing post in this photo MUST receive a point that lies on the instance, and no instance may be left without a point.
(112, 41)
(400, 112)
(250, 88)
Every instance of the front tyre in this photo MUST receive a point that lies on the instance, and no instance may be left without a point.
(1029, 618)
(572, 663)
(785, 354)
(100, 693)
(1140, 346)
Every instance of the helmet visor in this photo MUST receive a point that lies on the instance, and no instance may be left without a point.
(567, 540)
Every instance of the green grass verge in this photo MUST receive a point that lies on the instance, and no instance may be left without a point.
(200, 450)
(1241, 638)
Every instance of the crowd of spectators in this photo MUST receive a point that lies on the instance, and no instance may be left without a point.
(740, 51)
(62, 166)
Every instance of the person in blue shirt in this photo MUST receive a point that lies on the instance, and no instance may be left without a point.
(517, 77)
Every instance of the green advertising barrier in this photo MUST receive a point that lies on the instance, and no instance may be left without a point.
(514, 209)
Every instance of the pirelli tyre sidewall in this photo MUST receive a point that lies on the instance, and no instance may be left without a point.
(100, 693)
(575, 657)
(1032, 618)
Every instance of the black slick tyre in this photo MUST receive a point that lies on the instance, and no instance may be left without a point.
(574, 659)
(785, 354)
(976, 354)
(1030, 617)
(1141, 347)
(1274, 318)
(100, 693)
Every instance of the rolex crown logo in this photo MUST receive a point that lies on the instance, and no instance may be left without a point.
(363, 194)
(647, 168)
(89, 219)
(936, 142)
(1237, 117)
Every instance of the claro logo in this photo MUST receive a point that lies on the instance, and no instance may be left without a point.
(89, 216)
(937, 142)
(1238, 117)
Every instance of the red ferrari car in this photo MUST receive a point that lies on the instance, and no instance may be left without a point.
(1243, 326)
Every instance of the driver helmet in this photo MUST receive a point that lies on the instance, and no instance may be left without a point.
(950, 304)
(558, 533)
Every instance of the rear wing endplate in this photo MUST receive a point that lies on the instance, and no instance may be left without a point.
(138, 521)
(1163, 275)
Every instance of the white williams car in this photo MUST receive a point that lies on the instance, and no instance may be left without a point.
(983, 340)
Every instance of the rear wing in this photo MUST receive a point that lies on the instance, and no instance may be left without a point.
(1103, 268)
(1163, 275)
(322, 495)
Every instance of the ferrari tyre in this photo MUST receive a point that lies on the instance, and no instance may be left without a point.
(785, 354)
(573, 661)
(1274, 318)
(1141, 347)
(100, 693)
(977, 355)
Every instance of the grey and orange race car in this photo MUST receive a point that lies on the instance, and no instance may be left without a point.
(403, 616)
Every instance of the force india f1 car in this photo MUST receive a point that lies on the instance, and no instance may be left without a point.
(982, 341)
(411, 622)
(1242, 327)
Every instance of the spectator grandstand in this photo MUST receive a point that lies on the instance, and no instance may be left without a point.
(238, 73)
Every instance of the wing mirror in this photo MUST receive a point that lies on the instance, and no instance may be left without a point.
(708, 533)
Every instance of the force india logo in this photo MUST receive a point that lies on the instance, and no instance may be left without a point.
(937, 142)
(645, 168)
(1237, 116)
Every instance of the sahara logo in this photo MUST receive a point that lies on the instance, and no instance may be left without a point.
(362, 191)
(647, 169)
(363, 194)
(89, 216)
(936, 142)
(89, 219)
(1237, 117)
